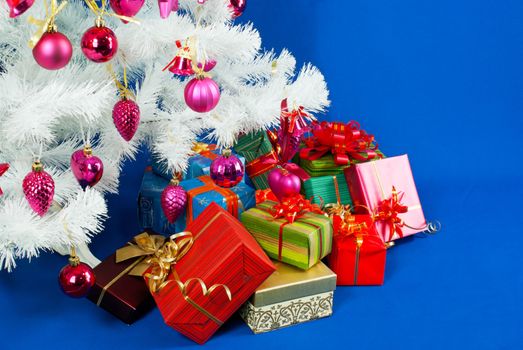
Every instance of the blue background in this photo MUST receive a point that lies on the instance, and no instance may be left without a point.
(439, 80)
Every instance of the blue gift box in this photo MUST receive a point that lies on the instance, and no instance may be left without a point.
(150, 214)
(202, 191)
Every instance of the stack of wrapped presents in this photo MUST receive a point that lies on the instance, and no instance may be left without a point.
(318, 207)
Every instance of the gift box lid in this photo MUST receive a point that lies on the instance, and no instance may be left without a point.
(289, 282)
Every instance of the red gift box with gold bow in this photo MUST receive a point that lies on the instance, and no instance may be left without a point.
(386, 190)
(201, 276)
(358, 253)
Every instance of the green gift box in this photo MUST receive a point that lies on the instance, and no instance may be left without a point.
(327, 166)
(253, 145)
(255, 148)
(324, 166)
(323, 189)
(302, 243)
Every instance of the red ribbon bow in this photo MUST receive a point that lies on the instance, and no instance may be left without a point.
(294, 207)
(344, 141)
(3, 168)
(265, 195)
(388, 210)
(348, 225)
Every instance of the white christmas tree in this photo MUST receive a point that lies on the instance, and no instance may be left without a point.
(49, 114)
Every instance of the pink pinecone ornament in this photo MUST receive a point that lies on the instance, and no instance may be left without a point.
(38, 188)
(126, 118)
(173, 200)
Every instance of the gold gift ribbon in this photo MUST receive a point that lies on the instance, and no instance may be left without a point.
(162, 258)
(337, 208)
(46, 24)
(123, 89)
(359, 243)
(201, 147)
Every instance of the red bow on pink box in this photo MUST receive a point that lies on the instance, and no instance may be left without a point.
(345, 141)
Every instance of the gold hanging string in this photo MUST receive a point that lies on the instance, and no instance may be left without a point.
(100, 11)
(123, 89)
(48, 24)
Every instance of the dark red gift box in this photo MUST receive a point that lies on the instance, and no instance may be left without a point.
(126, 297)
(358, 255)
(223, 256)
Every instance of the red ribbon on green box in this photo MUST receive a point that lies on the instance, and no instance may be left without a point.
(345, 141)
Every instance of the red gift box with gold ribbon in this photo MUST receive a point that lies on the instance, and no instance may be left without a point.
(358, 253)
(201, 276)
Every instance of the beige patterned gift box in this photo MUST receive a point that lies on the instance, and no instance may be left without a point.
(290, 296)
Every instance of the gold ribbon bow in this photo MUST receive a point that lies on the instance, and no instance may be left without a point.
(201, 147)
(47, 24)
(163, 256)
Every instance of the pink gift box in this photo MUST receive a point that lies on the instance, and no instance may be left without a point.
(372, 183)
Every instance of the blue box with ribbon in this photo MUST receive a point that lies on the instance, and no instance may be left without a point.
(202, 191)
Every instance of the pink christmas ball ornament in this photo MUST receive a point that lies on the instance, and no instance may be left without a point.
(87, 168)
(208, 66)
(283, 183)
(99, 43)
(202, 94)
(237, 7)
(53, 51)
(227, 170)
(76, 279)
(127, 8)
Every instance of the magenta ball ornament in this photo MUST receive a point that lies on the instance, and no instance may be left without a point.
(283, 183)
(127, 8)
(38, 187)
(173, 200)
(208, 66)
(237, 6)
(87, 168)
(76, 278)
(99, 43)
(202, 94)
(126, 118)
(53, 51)
(227, 170)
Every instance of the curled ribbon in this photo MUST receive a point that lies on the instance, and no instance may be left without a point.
(388, 211)
(345, 141)
(100, 11)
(206, 292)
(46, 25)
(348, 225)
(294, 207)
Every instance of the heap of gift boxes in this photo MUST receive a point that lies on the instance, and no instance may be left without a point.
(274, 259)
